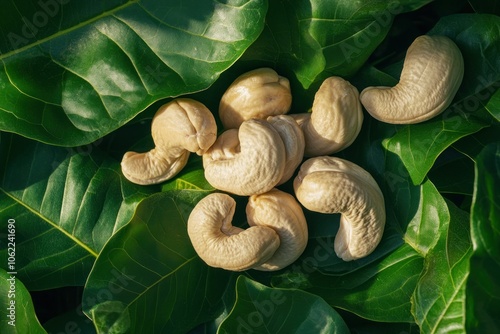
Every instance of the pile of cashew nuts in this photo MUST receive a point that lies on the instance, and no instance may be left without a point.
(262, 146)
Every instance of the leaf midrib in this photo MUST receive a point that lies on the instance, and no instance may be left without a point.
(68, 30)
(54, 225)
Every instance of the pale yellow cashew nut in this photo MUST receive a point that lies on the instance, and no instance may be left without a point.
(432, 73)
(334, 185)
(178, 128)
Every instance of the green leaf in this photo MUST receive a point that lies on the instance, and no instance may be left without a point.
(472, 145)
(439, 298)
(379, 291)
(66, 204)
(18, 313)
(430, 222)
(71, 72)
(73, 321)
(419, 145)
(483, 287)
(310, 40)
(493, 105)
(260, 309)
(192, 177)
(455, 175)
(148, 278)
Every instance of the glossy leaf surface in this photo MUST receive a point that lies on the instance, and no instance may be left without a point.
(72, 72)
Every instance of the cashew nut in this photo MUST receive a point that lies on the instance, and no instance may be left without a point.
(432, 73)
(178, 128)
(334, 185)
(222, 245)
(246, 161)
(281, 212)
(293, 139)
(336, 118)
(255, 94)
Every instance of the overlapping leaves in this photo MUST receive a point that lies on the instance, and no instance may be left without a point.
(66, 203)
(73, 206)
(71, 72)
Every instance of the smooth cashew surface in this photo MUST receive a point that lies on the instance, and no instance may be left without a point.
(255, 94)
(432, 73)
(281, 212)
(178, 128)
(222, 245)
(335, 120)
(246, 161)
(334, 185)
(293, 139)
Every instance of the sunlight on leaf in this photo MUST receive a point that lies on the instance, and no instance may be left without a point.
(18, 313)
(260, 309)
(89, 69)
(151, 262)
(439, 298)
(66, 203)
(483, 288)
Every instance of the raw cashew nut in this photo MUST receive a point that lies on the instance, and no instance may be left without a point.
(334, 185)
(293, 139)
(255, 94)
(222, 245)
(432, 73)
(336, 118)
(178, 128)
(246, 161)
(281, 212)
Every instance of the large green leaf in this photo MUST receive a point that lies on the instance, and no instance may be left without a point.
(18, 313)
(483, 287)
(148, 278)
(66, 204)
(71, 72)
(310, 40)
(439, 298)
(477, 100)
(380, 291)
(260, 309)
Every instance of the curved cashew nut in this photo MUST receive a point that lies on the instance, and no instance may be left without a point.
(334, 185)
(255, 94)
(336, 118)
(293, 139)
(178, 128)
(432, 73)
(222, 245)
(246, 161)
(281, 212)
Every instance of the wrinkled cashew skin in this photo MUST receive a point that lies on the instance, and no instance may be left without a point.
(256, 94)
(334, 185)
(246, 161)
(432, 73)
(293, 139)
(281, 212)
(178, 128)
(335, 120)
(222, 245)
